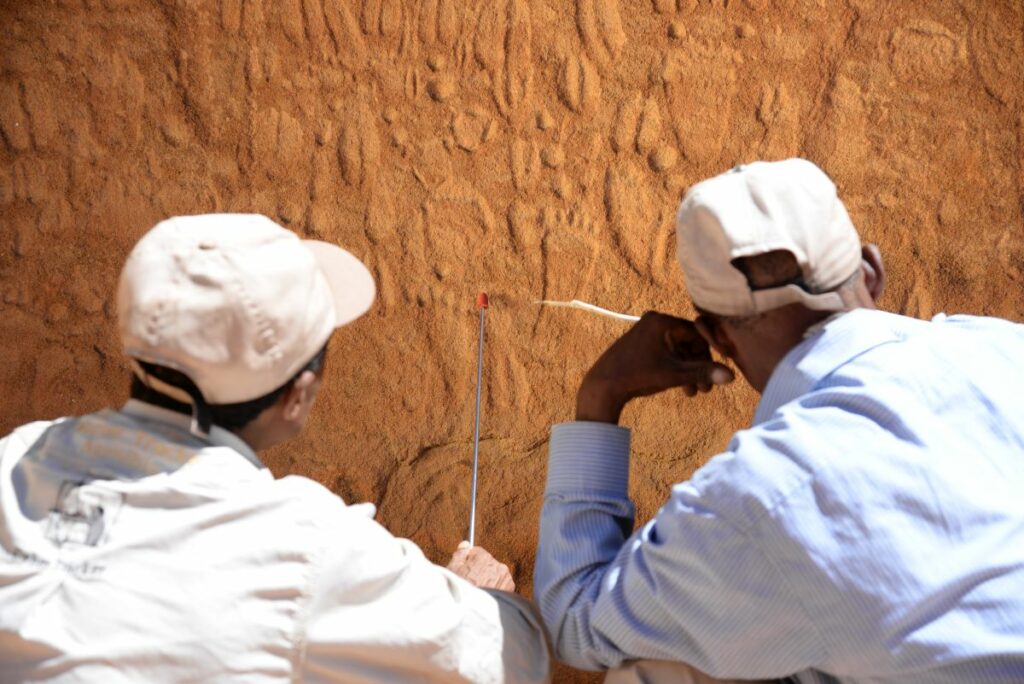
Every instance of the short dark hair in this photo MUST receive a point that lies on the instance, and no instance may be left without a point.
(231, 417)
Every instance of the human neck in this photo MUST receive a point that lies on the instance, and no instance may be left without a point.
(776, 335)
(787, 327)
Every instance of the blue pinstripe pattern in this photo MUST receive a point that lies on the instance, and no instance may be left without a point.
(868, 527)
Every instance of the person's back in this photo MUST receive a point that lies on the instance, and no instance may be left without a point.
(151, 544)
(135, 552)
(868, 526)
(881, 483)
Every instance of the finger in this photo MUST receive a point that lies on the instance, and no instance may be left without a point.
(722, 375)
(689, 390)
(456, 564)
(707, 372)
(506, 578)
(684, 344)
(478, 552)
(704, 386)
(651, 313)
(699, 348)
(463, 545)
(680, 335)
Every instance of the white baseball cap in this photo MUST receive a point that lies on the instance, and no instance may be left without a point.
(757, 208)
(235, 302)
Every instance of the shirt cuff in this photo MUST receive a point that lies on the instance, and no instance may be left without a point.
(586, 456)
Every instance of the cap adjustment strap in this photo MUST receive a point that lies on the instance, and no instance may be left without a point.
(202, 421)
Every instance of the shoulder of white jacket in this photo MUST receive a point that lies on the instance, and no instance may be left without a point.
(314, 499)
(27, 434)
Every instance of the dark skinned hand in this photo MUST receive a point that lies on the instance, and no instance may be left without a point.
(659, 352)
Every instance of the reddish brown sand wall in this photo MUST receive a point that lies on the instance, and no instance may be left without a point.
(529, 148)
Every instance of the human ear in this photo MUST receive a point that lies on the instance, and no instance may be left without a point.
(299, 396)
(874, 270)
(714, 333)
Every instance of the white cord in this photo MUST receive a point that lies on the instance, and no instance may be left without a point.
(577, 304)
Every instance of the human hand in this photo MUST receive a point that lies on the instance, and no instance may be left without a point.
(475, 565)
(658, 353)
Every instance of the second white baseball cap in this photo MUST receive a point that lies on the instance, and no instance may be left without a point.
(235, 302)
(757, 208)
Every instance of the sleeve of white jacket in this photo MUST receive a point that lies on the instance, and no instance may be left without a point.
(380, 611)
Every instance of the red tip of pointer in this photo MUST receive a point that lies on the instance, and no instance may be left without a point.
(481, 300)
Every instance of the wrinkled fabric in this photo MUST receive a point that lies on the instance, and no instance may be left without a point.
(667, 672)
(132, 551)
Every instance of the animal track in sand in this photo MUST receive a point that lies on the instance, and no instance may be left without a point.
(440, 475)
(998, 54)
(569, 252)
(579, 85)
(700, 90)
(634, 210)
(439, 22)
(472, 128)
(637, 127)
(524, 163)
(458, 221)
(669, 6)
(503, 47)
(926, 51)
(278, 142)
(600, 29)
(779, 115)
(382, 18)
(841, 136)
(359, 146)
(329, 27)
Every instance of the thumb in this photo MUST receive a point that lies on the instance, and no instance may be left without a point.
(463, 545)
(706, 372)
(721, 375)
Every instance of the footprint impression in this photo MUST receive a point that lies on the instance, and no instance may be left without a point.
(637, 214)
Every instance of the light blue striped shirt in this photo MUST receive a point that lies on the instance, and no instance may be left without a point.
(869, 526)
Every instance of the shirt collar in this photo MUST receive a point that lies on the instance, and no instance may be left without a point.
(218, 436)
(823, 350)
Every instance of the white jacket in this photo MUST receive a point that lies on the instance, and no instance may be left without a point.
(132, 551)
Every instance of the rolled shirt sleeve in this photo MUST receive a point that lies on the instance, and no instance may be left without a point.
(380, 611)
(689, 586)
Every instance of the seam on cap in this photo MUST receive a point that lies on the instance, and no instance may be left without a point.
(264, 330)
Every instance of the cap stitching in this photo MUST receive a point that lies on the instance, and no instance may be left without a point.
(264, 328)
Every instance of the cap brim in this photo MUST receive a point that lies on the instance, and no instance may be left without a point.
(350, 281)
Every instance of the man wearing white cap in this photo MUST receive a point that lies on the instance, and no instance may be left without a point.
(150, 544)
(868, 526)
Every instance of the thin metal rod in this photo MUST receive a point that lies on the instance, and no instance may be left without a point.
(476, 430)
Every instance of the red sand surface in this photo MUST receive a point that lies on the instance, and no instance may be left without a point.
(529, 148)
